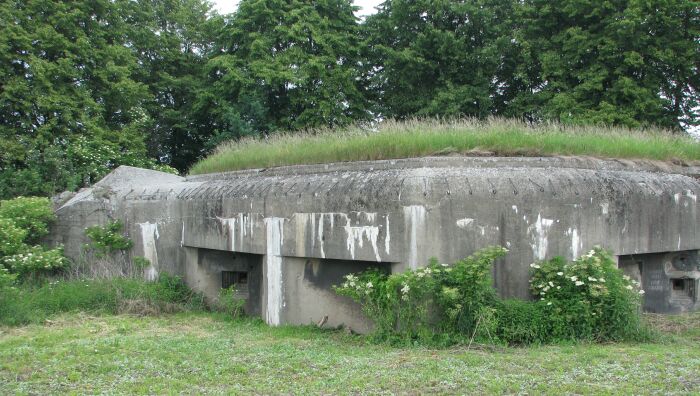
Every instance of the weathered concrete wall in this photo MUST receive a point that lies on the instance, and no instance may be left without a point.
(399, 213)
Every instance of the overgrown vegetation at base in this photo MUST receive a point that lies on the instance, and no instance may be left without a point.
(35, 282)
(441, 304)
(29, 303)
(392, 140)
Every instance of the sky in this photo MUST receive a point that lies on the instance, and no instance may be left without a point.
(228, 6)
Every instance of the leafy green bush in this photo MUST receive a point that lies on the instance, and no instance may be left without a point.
(36, 261)
(34, 303)
(521, 322)
(24, 221)
(588, 298)
(440, 303)
(32, 214)
(108, 238)
(6, 278)
(11, 238)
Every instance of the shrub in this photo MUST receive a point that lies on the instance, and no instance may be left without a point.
(108, 239)
(32, 214)
(6, 278)
(36, 261)
(588, 298)
(440, 303)
(11, 238)
(521, 322)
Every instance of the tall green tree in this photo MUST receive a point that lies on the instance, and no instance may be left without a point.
(626, 62)
(172, 40)
(440, 57)
(70, 108)
(285, 65)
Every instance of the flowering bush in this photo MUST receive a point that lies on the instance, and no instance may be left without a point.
(588, 298)
(24, 221)
(108, 238)
(440, 304)
(11, 237)
(32, 214)
(435, 304)
(36, 261)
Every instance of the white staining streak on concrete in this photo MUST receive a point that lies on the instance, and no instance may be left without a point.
(357, 235)
(387, 236)
(575, 242)
(274, 238)
(182, 236)
(677, 197)
(149, 234)
(538, 232)
(414, 218)
(230, 225)
(689, 194)
(320, 234)
(604, 208)
(464, 223)
(515, 209)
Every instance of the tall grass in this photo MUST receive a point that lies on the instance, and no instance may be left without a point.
(418, 138)
(35, 303)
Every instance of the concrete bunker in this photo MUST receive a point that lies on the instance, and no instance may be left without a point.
(288, 234)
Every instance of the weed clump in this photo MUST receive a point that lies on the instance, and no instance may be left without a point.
(34, 303)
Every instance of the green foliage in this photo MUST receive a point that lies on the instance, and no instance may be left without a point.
(440, 303)
(285, 65)
(11, 238)
(626, 63)
(7, 279)
(33, 214)
(107, 239)
(229, 303)
(521, 322)
(91, 85)
(24, 221)
(588, 298)
(36, 303)
(36, 262)
(140, 262)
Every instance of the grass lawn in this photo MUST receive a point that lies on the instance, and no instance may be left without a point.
(391, 140)
(202, 353)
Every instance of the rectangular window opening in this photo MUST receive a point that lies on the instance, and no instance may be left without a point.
(237, 279)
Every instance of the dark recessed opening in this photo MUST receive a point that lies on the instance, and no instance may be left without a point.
(683, 288)
(238, 279)
(678, 284)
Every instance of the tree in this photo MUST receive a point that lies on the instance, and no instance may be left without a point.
(624, 62)
(285, 65)
(440, 57)
(69, 107)
(172, 40)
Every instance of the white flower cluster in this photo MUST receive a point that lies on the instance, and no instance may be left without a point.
(633, 284)
(353, 282)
